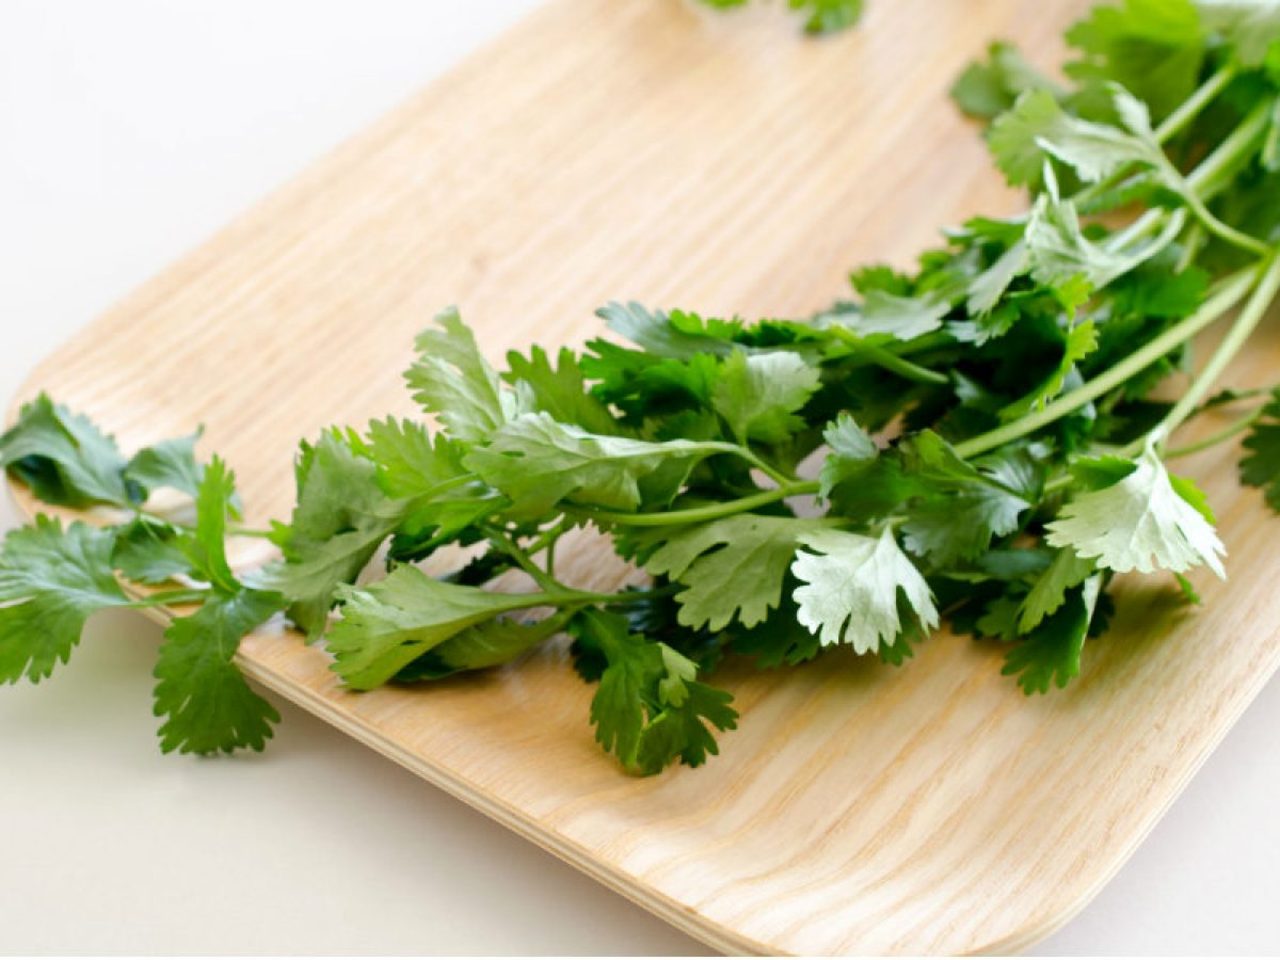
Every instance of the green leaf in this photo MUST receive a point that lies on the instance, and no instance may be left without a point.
(986, 289)
(851, 585)
(758, 395)
(657, 334)
(150, 551)
(51, 581)
(959, 508)
(900, 317)
(731, 567)
(409, 462)
(1058, 251)
(538, 463)
(988, 89)
(341, 518)
(64, 458)
(489, 644)
(828, 16)
(1139, 523)
(851, 455)
(1038, 126)
(1261, 466)
(1154, 48)
(170, 463)
(389, 624)
(560, 391)
(1050, 589)
(207, 704)
(1051, 652)
(648, 710)
(1081, 341)
(452, 379)
(1250, 26)
(206, 546)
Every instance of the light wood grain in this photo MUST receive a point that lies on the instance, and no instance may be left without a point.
(646, 150)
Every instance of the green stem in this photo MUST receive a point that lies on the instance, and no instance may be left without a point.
(1240, 331)
(888, 360)
(1209, 177)
(1226, 295)
(1191, 107)
(712, 511)
(504, 543)
(1226, 433)
(1215, 226)
(169, 598)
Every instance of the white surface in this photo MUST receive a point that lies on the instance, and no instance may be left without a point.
(128, 132)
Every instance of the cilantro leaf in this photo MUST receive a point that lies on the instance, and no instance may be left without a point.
(1154, 48)
(959, 508)
(828, 16)
(1261, 466)
(988, 89)
(51, 581)
(1049, 592)
(151, 551)
(758, 395)
(732, 567)
(1038, 126)
(539, 462)
(64, 458)
(341, 518)
(1050, 653)
(900, 317)
(409, 462)
(648, 710)
(389, 624)
(851, 585)
(170, 463)
(851, 454)
(661, 334)
(1252, 27)
(560, 391)
(206, 546)
(453, 380)
(207, 704)
(1141, 522)
(488, 644)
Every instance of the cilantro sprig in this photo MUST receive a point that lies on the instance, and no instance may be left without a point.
(982, 440)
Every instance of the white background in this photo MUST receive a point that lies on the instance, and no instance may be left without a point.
(128, 132)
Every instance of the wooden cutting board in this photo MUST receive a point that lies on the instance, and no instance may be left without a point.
(650, 150)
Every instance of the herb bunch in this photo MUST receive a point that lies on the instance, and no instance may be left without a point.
(980, 437)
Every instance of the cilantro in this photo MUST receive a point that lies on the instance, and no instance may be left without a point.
(1140, 522)
(730, 568)
(64, 458)
(851, 586)
(821, 16)
(976, 436)
(51, 582)
(1261, 467)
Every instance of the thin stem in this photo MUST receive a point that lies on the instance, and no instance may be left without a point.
(1244, 325)
(1228, 293)
(1215, 226)
(749, 455)
(887, 360)
(1191, 107)
(711, 511)
(509, 547)
(169, 598)
(1207, 178)
(250, 532)
(1226, 433)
